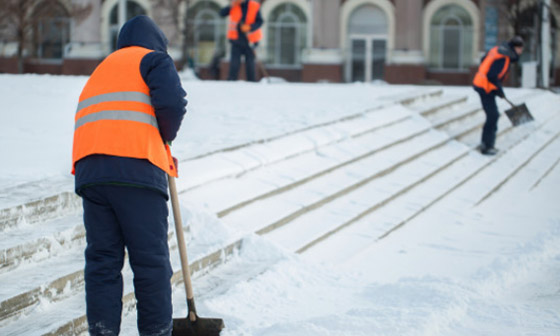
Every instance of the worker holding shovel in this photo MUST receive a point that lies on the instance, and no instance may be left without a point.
(488, 83)
(131, 106)
(244, 29)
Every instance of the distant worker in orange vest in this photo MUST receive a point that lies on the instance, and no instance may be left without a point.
(130, 108)
(244, 29)
(488, 83)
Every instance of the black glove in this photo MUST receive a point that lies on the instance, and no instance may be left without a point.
(501, 94)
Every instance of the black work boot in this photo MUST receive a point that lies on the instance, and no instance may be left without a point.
(488, 150)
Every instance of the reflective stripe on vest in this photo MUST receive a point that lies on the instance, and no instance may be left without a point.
(481, 79)
(115, 116)
(235, 15)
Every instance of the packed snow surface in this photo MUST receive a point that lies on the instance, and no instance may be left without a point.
(489, 269)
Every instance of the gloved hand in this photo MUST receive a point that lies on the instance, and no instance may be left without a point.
(501, 94)
(176, 163)
(245, 28)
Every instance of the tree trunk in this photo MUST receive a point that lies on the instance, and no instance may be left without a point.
(185, 38)
(21, 43)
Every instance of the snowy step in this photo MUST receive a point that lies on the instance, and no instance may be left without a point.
(536, 172)
(266, 151)
(413, 96)
(34, 243)
(459, 180)
(513, 161)
(22, 243)
(427, 108)
(285, 207)
(230, 194)
(382, 102)
(383, 137)
(334, 146)
(233, 163)
(32, 283)
(59, 280)
(472, 138)
(71, 272)
(226, 162)
(460, 120)
(439, 120)
(315, 226)
(475, 170)
(20, 194)
(39, 210)
(227, 195)
(275, 179)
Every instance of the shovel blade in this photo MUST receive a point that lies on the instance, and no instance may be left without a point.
(519, 115)
(201, 327)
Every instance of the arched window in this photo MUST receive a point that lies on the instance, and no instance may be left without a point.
(287, 35)
(206, 35)
(132, 9)
(367, 34)
(368, 20)
(51, 30)
(451, 38)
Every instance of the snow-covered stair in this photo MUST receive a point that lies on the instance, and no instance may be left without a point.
(301, 190)
(466, 183)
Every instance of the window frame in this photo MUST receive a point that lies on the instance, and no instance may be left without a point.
(471, 52)
(274, 28)
(114, 27)
(195, 21)
(60, 14)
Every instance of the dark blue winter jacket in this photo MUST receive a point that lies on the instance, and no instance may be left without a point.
(168, 99)
(498, 66)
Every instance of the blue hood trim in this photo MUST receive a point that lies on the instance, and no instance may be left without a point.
(141, 31)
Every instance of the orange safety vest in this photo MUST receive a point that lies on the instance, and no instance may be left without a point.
(115, 115)
(235, 15)
(481, 79)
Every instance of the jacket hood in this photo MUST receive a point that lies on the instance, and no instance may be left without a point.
(141, 31)
(507, 50)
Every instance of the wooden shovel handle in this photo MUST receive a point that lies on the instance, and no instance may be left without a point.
(512, 105)
(182, 247)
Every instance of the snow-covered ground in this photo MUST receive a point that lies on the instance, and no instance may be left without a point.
(220, 115)
(492, 270)
(456, 269)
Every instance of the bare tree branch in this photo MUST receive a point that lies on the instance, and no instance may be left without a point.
(173, 16)
(19, 17)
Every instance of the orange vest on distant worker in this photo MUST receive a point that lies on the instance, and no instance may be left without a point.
(235, 15)
(115, 115)
(481, 79)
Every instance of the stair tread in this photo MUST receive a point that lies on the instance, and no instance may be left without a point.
(329, 184)
(218, 195)
(209, 168)
(314, 224)
(449, 183)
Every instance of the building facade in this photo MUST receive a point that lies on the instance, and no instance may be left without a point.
(396, 41)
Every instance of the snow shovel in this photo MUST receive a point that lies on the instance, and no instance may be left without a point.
(192, 325)
(261, 66)
(518, 114)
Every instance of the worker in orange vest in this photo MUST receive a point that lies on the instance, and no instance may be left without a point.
(130, 108)
(244, 29)
(488, 83)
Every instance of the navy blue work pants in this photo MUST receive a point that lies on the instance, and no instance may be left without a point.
(116, 217)
(238, 50)
(492, 115)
